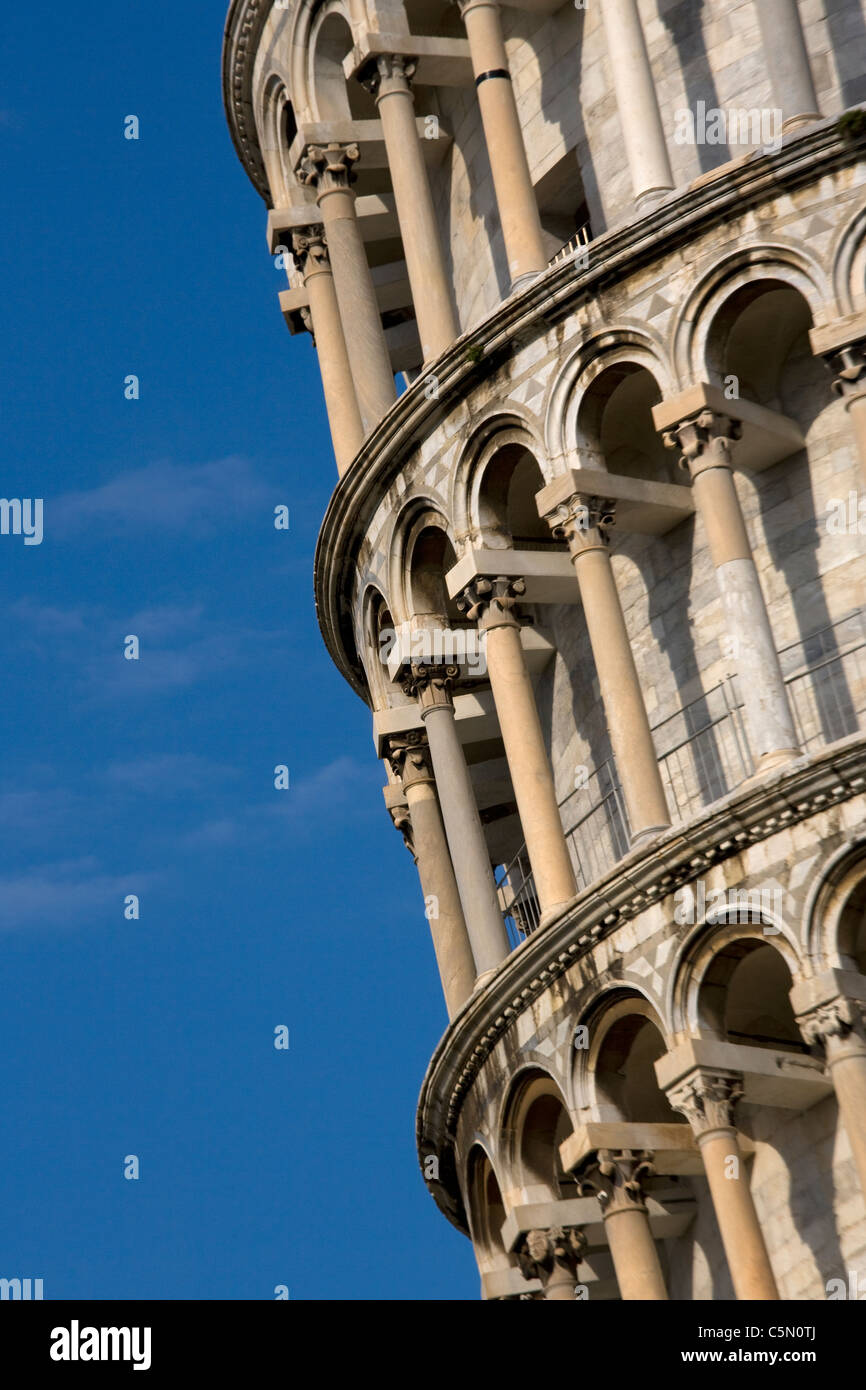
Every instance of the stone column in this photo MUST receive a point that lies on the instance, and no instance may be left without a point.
(552, 1255)
(787, 62)
(828, 1017)
(616, 1179)
(431, 686)
(585, 523)
(515, 195)
(640, 118)
(705, 440)
(388, 78)
(409, 756)
(491, 603)
(328, 169)
(310, 250)
(849, 363)
(707, 1099)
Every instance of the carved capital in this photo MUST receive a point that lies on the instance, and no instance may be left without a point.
(849, 364)
(552, 1255)
(403, 822)
(616, 1178)
(310, 250)
(707, 1099)
(584, 521)
(409, 757)
(328, 167)
(387, 71)
(837, 1019)
(490, 602)
(430, 685)
(704, 441)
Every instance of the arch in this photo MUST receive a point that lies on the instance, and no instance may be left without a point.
(420, 515)
(330, 42)
(616, 1073)
(485, 1208)
(495, 432)
(625, 343)
(614, 428)
(746, 266)
(835, 913)
(534, 1122)
(374, 645)
(716, 987)
(278, 127)
(308, 17)
(849, 265)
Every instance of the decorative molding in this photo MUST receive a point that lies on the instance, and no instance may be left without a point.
(244, 24)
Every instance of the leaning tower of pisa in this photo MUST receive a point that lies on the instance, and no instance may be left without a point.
(587, 283)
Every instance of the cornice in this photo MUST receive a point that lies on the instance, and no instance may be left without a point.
(244, 24)
(806, 156)
(745, 817)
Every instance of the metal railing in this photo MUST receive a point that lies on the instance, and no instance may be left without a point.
(703, 752)
(581, 239)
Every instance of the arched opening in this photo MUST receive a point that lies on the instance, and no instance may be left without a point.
(852, 928)
(758, 337)
(615, 425)
(486, 1209)
(743, 997)
(335, 98)
(538, 1123)
(625, 1080)
(505, 504)
(431, 559)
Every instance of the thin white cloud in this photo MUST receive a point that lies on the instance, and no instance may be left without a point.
(195, 498)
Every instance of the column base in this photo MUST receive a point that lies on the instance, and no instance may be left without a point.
(551, 913)
(643, 837)
(484, 979)
(650, 198)
(797, 122)
(777, 758)
(523, 281)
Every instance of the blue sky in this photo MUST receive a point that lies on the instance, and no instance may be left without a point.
(155, 777)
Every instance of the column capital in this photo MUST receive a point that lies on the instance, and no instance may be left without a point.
(616, 1178)
(490, 602)
(849, 364)
(543, 1253)
(403, 822)
(431, 686)
(387, 72)
(707, 1098)
(310, 249)
(704, 440)
(584, 520)
(835, 1018)
(328, 167)
(409, 756)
